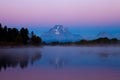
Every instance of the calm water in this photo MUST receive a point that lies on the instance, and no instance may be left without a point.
(60, 63)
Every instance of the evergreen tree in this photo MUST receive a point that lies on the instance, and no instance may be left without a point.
(24, 34)
(13, 36)
(1, 30)
(35, 40)
(4, 34)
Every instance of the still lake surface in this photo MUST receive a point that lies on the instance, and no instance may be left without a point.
(60, 63)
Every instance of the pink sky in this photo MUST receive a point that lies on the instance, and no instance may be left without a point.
(59, 11)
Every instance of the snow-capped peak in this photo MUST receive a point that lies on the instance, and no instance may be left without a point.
(58, 30)
(59, 33)
(57, 27)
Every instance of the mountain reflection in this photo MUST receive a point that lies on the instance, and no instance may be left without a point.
(58, 62)
(106, 54)
(18, 59)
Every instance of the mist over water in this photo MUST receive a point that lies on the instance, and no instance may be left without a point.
(83, 56)
(60, 63)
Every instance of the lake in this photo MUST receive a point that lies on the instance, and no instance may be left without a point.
(60, 63)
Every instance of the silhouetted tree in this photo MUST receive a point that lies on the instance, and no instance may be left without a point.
(4, 34)
(24, 34)
(19, 39)
(0, 25)
(9, 35)
(35, 40)
(114, 40)
(102, 40)
(32, 34)
(13, 36)
(1, 31)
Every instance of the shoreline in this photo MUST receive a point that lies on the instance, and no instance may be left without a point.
(69, 45)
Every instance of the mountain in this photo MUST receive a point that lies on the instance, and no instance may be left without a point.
(117, 36)
(88, 37)
(60, 34)
(104, 35)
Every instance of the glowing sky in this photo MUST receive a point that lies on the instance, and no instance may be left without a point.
(59, 11)
(66, 12)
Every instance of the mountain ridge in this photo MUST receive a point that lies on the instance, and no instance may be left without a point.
(60, 34)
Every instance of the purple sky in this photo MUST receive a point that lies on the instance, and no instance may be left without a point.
(70, 13)
(59, 11)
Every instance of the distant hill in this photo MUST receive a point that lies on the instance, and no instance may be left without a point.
(117, 36)
(104, 35)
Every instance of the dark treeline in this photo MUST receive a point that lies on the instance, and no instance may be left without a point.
(13, 36)
(99, 41)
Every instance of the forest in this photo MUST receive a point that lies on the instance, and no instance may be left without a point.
(13, 36)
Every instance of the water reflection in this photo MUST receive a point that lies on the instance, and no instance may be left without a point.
(62, 57)
(59, 57)
(22, 60)
(107, 54)
(57, 62)
(104, 55)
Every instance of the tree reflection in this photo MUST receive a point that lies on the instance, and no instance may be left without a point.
(14, 59)
(35, 57)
